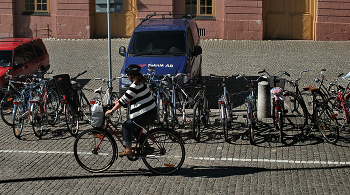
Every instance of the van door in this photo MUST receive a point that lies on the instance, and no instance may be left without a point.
(32, 63)
(195, 61)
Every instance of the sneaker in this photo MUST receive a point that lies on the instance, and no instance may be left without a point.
(123, 153)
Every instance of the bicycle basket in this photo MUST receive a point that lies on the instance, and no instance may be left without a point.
(63, 84)
(279, 82)
(97, 115)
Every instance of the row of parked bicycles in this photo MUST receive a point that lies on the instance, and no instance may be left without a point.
(40, 101)
(324, 107)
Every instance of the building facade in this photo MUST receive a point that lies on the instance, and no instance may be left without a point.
(320, 20)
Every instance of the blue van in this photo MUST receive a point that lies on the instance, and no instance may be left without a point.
(170, 44)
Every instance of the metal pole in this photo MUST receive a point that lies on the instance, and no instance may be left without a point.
(109, 41)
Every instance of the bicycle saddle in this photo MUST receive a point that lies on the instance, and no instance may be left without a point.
(99, 90)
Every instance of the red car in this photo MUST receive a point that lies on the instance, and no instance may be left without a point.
(22, 56)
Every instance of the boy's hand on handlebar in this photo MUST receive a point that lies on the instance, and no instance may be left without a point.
(108, 112)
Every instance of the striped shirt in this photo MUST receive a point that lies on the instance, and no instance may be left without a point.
(140, 98)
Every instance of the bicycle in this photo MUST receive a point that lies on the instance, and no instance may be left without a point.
(180, 99)
(200, 110)
(11, 93)
(21, 108)
(252, 111)
(295, 109)
(75, 104)
(225, 107)
(323, 116)
(277, 84)
(44, 107)
(109, 97)
(343, 100)
(161, 150)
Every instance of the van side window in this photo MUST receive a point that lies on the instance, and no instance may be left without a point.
(190, 40)
(39, 48)
(19, 56)
(29, 53)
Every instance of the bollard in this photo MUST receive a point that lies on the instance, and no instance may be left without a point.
(264, 100)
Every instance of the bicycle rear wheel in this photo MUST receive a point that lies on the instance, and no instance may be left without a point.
(18, 120)
(37, 119)
(72, 119)
(327, 124)
(167, 151)
(6, 107)
(94, 150)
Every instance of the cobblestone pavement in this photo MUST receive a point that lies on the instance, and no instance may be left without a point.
(47, 166)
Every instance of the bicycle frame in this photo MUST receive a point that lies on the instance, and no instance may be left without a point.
(118, 134)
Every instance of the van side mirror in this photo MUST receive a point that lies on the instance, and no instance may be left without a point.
(197, 51)
(122, 51)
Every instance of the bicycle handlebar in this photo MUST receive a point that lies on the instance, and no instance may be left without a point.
(78, 75)
(223, 77)
(300, 76)
(284, 72)
(243, 76)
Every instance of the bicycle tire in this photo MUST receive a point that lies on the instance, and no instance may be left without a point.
(168, 154)
(206, 112)
(327, 124)
(280, 126)
(37, 119)
(18, 121)
(251, 115)
(224, 122)
(197, 124)
(6, 107)
(91, 158)
(295, 111)
(72, 120)
(52, 107)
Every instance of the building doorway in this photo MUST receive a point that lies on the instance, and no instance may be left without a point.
(122, 24)
(289, 19)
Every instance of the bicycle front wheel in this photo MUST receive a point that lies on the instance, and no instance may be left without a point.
(94, 150)
(280, 125)
(52, 107)
(251, 120)
(327, 124)
(197, 125)
(163, 151)
(72, 119)
(224, 121)
(37, 116)
(18, 120)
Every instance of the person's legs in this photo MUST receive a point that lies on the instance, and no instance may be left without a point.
(128, 128)
(132, 127)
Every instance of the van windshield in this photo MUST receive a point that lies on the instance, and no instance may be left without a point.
(5, 58)
(163, 43)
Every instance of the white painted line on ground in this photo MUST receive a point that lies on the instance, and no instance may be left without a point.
(203, 158)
